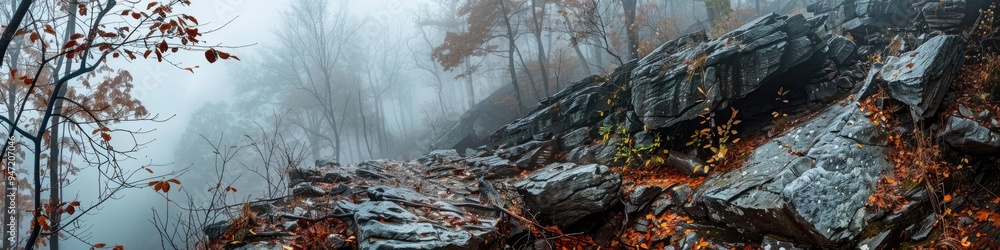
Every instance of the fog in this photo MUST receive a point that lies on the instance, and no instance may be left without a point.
(327, 81)
(178, 94)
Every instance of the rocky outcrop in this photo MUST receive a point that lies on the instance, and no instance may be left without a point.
(806, 184)
(688, 75)
(581, 104)
(868, 20)
(564, 193)
(920, 78)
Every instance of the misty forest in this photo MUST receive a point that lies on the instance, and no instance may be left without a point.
(500, 124)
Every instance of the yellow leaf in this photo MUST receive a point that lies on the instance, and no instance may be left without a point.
(860, 146)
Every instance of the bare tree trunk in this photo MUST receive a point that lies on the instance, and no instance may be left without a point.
(468, 82)
(538, 40)
(511, 45)
(576, 47)
(531, 78)
(630, 29)
(54, 146)
(12, 27)
(716, 9)
(11, 106)
(364, 125)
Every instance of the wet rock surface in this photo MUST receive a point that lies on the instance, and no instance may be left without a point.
(815, 179)
(920, 78)
(556, 174)
(563, 193)
(970, 136)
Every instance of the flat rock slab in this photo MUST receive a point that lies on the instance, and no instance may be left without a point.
(563, 193)
(386, 225)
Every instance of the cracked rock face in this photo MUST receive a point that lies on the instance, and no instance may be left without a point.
(920, 78)
(386, 225)
(665, 85)
(812, 183)
(564, 193)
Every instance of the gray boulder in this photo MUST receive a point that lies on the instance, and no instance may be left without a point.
(215, 230)
(492, 167)
(563, 193)
(920, 78)
(968, 135)
(440, 156)
(811, 184)
(308, 190)
(944, 15)
(841, 50)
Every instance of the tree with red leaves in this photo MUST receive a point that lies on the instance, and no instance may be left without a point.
(58, 77)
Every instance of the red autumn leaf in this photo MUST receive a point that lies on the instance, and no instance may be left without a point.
(146, 55)
(174, 181)
(83, 9)
(153, 183)
(34, 36)
(125, 12)
(149, 170)
(75, 36)
(75, 203)
(106, 136)
(136, 15)
(118, 247)
(43, 221)
(163, 46)
(211, 55)
(195, 21)
(223, 55)
(100, 245)
(70, 210)
(49, 29)
(150, 6)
